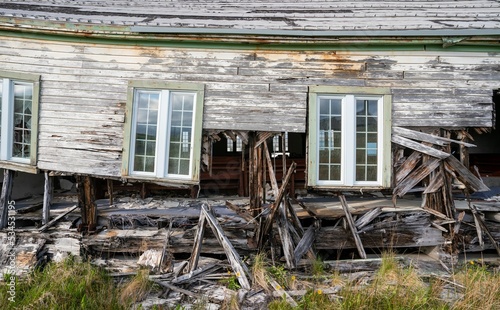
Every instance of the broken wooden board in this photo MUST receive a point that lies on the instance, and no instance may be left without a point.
(419, 147)
(425, 137)
(464, 175)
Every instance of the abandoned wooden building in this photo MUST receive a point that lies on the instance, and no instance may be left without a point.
(264, 100)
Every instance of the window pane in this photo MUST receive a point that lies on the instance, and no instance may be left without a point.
(329, 135)
(182, 105)
(145, 126)
(23, 95)
(366, 140)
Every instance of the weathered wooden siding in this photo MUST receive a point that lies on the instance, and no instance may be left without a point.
(83, 90)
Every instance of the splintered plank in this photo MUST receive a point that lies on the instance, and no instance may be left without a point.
(464, 175)
(286, 239)
(352, 227)
(484, 228)
(407, 167)
(198, 239)
(425, 137)
(237, 264)
(416, 176)
(435, 184)
(418, 147)
(305, 243)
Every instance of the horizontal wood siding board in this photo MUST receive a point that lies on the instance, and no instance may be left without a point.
(84, 89)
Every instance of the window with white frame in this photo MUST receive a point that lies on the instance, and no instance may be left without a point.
(164, 130)
(18, 117)
(349, 137)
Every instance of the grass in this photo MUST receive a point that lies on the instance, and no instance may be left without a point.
(395, 287)
(66, 285)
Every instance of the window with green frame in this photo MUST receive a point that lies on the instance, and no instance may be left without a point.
(349, 137)
(163, 130)
(19, 96)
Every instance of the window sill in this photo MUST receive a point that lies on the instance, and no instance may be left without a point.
(10, 165)
(181, 183)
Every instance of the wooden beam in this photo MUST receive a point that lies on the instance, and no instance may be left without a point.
(49, 224)
(238, 266)
(198, 240)
(485, 228)
(272, 176)
(419, 147)
(425, 137)
(352, 227)
(5, 202)
(368, 217)
(47, 198)
(408, 166)
(109, 184)
(286, 239)
(464, 175)
(415, 177)
(305, 244)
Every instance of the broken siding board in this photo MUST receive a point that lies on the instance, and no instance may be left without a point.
(408, 166)
(416, 176)
(464, 175)
(419, 147)
(425, 137)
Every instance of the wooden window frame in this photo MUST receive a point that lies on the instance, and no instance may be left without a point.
(165, 88)
(348, 95)
(7, 160)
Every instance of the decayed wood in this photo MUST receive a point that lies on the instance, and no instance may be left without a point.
(286, 239)
(109, 184)
(419, 147)
(198, 239)
(238, 266)
(437, 181)
(482, 224)
(47, 198)
(437, 214)
(86, 201)
(407, 167)
(5, 197)
(266, 223)
(459, 220)
(425, 137)
(305, 244)
(281, 292)
(195, 274)
(178, 289)
(301, 293)
(415, 177)
(464, 175)
(245, 215)
(49, 224)
(366, 218)
(272, 176)
(262, 137)
(352, 227)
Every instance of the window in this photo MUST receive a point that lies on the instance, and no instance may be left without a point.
(18, 119)
(164, 129)
(349, 137)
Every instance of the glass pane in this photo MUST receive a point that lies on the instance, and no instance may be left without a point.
(324, 172)
(324, 106)
(335, 156)
(360, 140)
(184, 167)
(335, 172)
(23, 94)
(371, 173)
(372, 124)
(182, 105)
(373, 107)
(324, 156)
(1, 96)
(145, 126)
(329, 135)
(360, 157)
(360, 173)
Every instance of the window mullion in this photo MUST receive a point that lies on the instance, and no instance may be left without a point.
(163, 134)
(349, 140)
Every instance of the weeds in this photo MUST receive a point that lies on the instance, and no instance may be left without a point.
(65, 285)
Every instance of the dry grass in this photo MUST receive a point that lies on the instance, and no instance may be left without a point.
(137, 288)
(259, 271)
(482, 288)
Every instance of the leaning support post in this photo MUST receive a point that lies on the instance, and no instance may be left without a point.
(234, 259)
(47, 198)
(198, 239)
(354, 231)
(5, 198)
